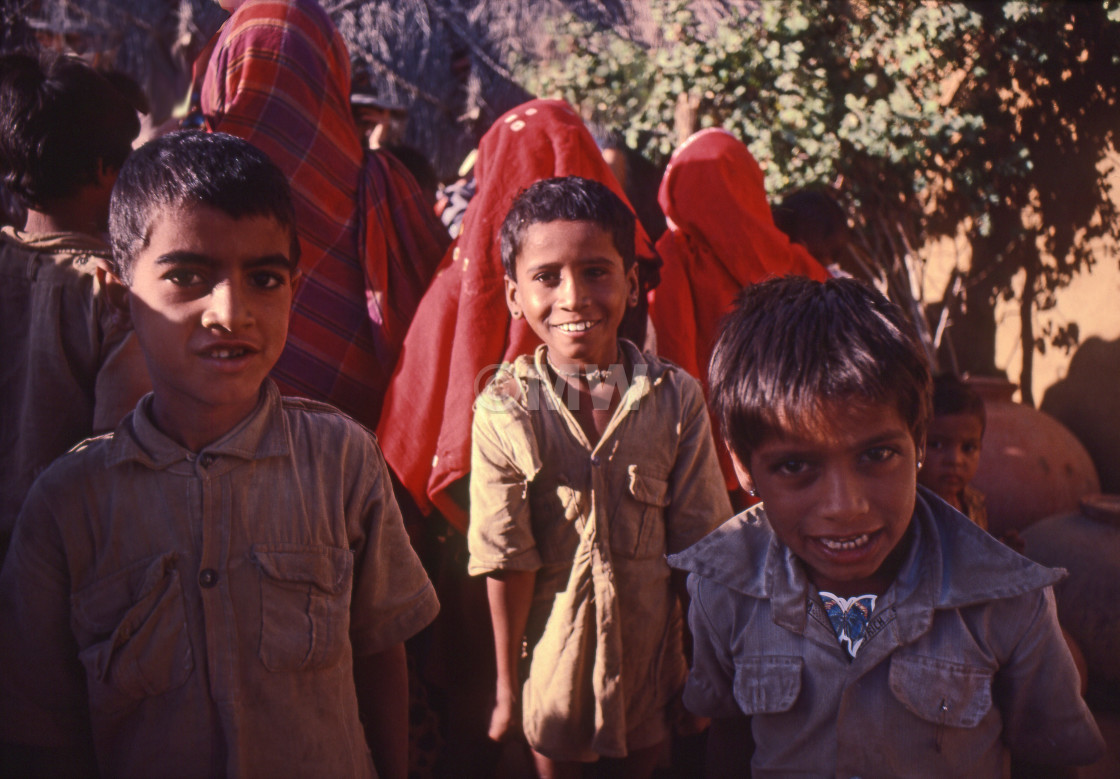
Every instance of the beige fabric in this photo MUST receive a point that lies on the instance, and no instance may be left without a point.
(595, 523)
(70, 366)
(974, 506)
(201, 611)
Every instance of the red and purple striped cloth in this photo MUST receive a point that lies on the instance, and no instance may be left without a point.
(278, 75)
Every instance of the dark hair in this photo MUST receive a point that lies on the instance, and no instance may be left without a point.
(190, 167)
(953, 396)
(813, 218)
(792, 345)
(567, 199)
(59, 119)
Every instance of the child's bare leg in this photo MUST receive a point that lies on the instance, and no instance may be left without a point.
(547, 768)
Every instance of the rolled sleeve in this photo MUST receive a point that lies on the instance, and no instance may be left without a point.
(698, 502)
(503, 462)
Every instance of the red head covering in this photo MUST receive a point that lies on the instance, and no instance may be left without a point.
(278, 75)
(462, 328)
(721, 238)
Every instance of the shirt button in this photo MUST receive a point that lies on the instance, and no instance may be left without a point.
(206, 460)
(208, 577)
(595, 460)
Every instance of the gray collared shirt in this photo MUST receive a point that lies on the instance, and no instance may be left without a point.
(201, 611)
(963, 658)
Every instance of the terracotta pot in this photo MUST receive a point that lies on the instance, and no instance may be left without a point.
(1031, 466)
(1087, 544)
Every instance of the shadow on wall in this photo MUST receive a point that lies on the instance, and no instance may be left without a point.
(1087, 402)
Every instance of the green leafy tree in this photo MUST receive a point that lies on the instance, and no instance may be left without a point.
(928, 118)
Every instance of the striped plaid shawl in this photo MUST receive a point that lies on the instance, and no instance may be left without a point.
(279, 76)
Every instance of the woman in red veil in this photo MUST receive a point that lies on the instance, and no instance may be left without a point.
(721, 238)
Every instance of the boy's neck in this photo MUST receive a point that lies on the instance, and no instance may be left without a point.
(67, 218)
(196, 431)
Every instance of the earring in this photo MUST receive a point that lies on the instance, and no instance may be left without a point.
(515, 314)
(752, 492)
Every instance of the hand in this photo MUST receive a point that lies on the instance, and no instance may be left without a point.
(505, 719)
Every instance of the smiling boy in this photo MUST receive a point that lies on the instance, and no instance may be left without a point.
(589, 461)
(864, 628)
(221, 586)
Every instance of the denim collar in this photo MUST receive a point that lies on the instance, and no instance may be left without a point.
(951, 564)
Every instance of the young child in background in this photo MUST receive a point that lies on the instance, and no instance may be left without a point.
(863, 628)
(70, 365)
(953, 447)
(590, 460)
(222, 585)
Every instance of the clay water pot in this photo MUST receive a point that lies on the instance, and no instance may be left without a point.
(1087, 544)
(1031, 466)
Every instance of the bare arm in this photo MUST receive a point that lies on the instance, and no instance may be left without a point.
(382, 684)
(510, 594)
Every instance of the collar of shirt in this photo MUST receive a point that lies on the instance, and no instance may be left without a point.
(262, 434)
(951, 564)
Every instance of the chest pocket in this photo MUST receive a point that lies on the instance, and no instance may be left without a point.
(941, 692)
(305, 605)
(142, 647)
(767, 684)
(638, 526)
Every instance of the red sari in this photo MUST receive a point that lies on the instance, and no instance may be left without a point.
(721, 238)
(278, 75)
(462, 329)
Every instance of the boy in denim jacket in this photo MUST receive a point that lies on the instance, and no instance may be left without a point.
(222, 585)
(851, 623)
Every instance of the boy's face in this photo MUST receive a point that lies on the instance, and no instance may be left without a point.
(573, 290)
(209, 299)
(840, 498)
(952, 454)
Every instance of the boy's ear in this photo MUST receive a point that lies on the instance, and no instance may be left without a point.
(633, 286)
(511, 299)
(117, 293)
(741, 472)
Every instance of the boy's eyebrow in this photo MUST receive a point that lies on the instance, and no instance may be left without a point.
(596, 260)
(194, 258)
(803, 447)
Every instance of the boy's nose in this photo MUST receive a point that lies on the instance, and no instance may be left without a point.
(844, 496)
(226, 309)
(571, 292)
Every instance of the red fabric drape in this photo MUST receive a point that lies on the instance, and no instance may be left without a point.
(462, 328)
(721, 238)
(278, 75)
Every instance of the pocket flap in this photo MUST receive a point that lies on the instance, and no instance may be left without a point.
(648, 489)
(940, 691)
(100, 606)
(767, 684)
(325, 567)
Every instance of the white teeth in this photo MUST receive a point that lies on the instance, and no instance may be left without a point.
(226, 354)
(576, 327)
(845, 544)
